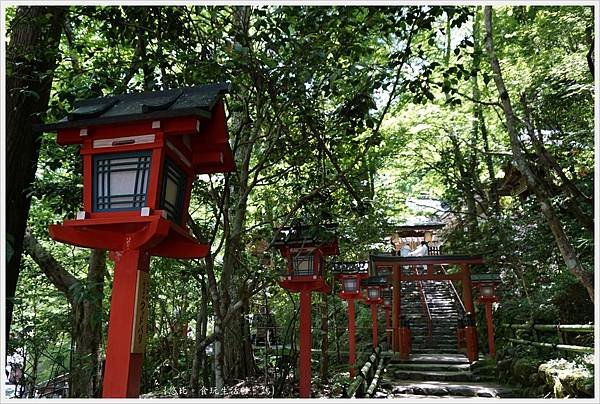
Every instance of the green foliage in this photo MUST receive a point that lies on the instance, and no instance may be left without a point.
(336, 114)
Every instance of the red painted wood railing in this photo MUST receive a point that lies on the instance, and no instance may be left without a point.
(424, 306)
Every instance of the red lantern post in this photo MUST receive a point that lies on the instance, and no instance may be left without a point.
(304, 248)
(387, 306)
(140, 154)
(350, 275)
(373, 287)
(487, 295)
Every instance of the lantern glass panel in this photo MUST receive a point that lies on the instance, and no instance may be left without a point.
(303, 265)
(350, 285)
(373, 293)
(120, 181)
(387, 302)
(487, 290)
(173, 189)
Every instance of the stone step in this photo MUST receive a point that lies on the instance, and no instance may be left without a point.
(428, 375)
(436, 338)
(446, 389)
(435, 342)
(447, 367)
(438, 335)
(434, 358)
(440, 326)
(442, 307)
(435, 350)
(421, 329)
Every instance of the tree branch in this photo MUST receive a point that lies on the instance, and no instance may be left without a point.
(55, 272)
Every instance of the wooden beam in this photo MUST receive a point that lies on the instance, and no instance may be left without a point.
(387, 260)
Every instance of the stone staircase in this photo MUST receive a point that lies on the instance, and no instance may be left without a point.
(436, 369)
(444, 310)
(438, 376)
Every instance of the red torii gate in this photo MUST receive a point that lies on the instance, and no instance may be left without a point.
(464, 276)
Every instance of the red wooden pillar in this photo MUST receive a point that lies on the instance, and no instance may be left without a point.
(374, 319)
(387, 325)
(128, 324)
(396, 308)
(305, 343)
(470, 329)
(405, 340)
(351, 338)
(490, 329)
(467, 292)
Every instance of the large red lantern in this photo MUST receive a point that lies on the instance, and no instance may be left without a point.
(140, 155)
(304, 248)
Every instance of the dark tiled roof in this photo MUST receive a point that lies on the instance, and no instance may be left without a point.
(375, 281)
(199, 100)
(300, 234)
(354, 267)
(486, 278)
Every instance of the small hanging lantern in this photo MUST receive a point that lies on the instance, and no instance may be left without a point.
(428, 236)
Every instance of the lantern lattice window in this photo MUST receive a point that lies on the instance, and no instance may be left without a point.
(350, 284)
(173, 188)
(303, 265)
(121, 181)
(373, 293)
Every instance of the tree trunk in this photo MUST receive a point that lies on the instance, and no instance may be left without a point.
(562, 240)
(218, 328)
(218, 358)
(466, 184)
(237, 348)
(86, 305)
(87, 316)
(479, 121)
(239, 358)
(577, 199)
(589, 57)
(31, 60)
(199, 351)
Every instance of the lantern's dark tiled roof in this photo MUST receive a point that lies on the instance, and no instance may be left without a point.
(300, 234)
(375, 281)
(352, 267)
(199, 100)
(492, 278)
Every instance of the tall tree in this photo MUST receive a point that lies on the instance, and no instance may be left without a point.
(31, 59)
(541, 193)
